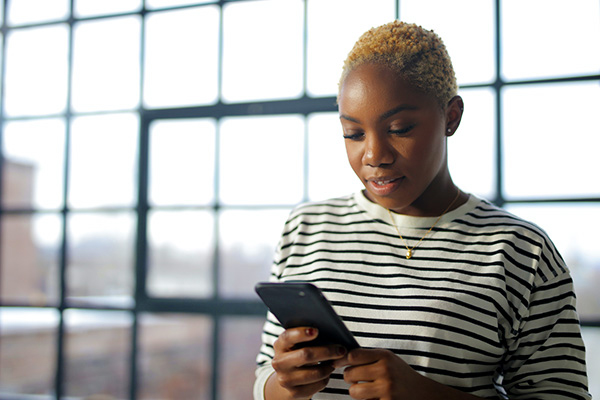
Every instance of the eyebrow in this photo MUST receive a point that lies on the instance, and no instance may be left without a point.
(383, 116)
(396, 110)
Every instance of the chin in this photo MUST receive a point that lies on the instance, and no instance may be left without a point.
(386, 202)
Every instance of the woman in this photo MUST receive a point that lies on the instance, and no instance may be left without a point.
(448, 296)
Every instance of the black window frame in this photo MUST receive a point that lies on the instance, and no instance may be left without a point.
(216, 307)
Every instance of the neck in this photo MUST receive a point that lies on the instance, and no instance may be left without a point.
(436, 199)
(446, 201)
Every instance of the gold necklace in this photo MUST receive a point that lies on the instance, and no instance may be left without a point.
(409, 251)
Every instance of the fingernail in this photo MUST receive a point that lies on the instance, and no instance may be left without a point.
(310, 331)
(340, 350)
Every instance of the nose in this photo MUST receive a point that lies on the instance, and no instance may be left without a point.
(378, 150)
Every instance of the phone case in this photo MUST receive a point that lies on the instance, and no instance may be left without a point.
(303, 304)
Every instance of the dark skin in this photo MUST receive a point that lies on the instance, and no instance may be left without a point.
(397, 134)
(298, 374)
(372, 373)
(395, 139)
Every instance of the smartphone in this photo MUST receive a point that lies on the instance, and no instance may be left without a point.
(303, 304)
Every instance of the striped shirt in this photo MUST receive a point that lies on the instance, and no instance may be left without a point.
(485, 305)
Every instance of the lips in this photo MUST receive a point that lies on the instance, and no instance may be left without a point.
(383, 186)
(382, 182)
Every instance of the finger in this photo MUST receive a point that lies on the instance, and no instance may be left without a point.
(341, 362)
(360, 373)
(362, 356)
(320, 354)
(291, 337)
(366, 366)
(305, 376)
(306, 391)
(307, 357)
(365, 391)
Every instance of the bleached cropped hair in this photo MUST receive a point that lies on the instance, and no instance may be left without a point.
(417, 54)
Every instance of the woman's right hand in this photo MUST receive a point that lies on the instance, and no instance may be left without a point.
(300, 373)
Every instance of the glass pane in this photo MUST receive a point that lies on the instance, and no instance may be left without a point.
(550, 153)
(36, 70)
(472, 149)
(262, 50)
(181, 252)
(456, 28)
(34, 11)
(239, 344)
(106, 64)
(175, 353)
(534, 47)
(27, 351)
(247, 244)
(573, 229)
(100, 264)
(327, 153)
(91, 8)
(181, 57)
(103, 168)
(150, 4)
(184, 149)
(591, 338)
(2, 62)
(97, 347)
(30, 255)
(33, 169)
(261, 160)
(333, 28)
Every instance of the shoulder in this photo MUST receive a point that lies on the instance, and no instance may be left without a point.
(492, 223)
(487, 218)
(333, 210)
(332, 219)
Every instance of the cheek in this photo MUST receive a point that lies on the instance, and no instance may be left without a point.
(428, 155)
(354, 156)
(351, 152)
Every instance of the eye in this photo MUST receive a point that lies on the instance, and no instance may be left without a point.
(353, 135)
(402, 131)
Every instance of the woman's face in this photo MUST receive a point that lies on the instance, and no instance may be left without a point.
(395, 138)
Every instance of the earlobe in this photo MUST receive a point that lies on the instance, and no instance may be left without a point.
(454, 113)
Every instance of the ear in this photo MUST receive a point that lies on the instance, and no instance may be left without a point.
(454, 112)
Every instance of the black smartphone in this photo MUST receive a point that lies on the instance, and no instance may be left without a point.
(303, 304)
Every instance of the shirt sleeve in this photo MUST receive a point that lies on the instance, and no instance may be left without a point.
(262, 375)
(271, 331)
(547, 359)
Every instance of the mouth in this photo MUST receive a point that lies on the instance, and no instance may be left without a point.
(384, 186)
(383, 181)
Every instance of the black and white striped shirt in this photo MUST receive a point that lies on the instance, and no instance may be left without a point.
(485, 305)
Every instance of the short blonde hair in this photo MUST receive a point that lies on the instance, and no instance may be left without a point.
(419, 55)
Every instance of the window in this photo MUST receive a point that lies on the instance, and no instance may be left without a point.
(151, 151)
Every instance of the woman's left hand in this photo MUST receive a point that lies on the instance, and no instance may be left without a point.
(379, 374)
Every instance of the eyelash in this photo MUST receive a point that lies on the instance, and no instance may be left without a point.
(354, 136)
(357, 136)
(401, 131)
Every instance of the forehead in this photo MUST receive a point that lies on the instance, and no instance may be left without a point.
(379, 87)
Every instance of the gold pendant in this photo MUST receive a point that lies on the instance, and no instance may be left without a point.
(408, 254)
